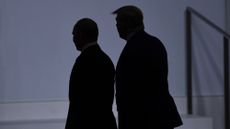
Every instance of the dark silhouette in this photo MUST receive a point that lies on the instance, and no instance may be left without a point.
(91, 86)
(142, 95)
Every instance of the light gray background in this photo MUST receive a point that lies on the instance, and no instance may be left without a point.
(37, 53)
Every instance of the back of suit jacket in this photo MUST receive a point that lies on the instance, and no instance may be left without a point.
(142, 92)
(91, 91)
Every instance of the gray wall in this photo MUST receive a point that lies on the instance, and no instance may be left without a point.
(227, 23)
(37, 53)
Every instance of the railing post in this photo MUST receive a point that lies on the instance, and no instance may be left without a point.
(189, 61)
(226, 83)
(189, 12)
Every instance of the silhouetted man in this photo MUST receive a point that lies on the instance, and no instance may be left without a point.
(143, 98)
(91, 86)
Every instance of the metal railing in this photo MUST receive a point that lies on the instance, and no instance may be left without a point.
(188, 19)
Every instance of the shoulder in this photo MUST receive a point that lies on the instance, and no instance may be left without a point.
(144, 39)
(143, 36)
(97, 55)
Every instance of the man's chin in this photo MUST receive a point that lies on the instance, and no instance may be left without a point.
(122, 37)
(79, 49)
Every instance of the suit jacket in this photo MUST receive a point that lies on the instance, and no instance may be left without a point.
(142, 95)
(91, 91)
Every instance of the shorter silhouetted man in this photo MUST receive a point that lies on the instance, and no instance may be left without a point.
(91, 86)
(143, 98)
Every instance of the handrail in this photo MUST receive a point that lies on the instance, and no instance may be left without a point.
(226, 37)
(193, 11)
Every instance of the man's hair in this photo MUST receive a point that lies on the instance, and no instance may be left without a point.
(131, 15)
(87, 27)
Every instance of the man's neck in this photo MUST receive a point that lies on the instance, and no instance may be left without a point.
(88, 45)
(134, 32)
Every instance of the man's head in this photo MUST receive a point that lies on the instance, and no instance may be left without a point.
(129, 19)
(85, 31)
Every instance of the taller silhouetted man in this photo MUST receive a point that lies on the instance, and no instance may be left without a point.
(142, 95)
(91, 86)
